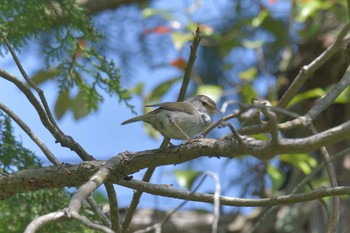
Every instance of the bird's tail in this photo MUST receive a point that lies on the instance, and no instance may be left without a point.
(132, 120)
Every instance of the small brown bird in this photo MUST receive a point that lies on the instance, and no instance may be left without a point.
(180, 120)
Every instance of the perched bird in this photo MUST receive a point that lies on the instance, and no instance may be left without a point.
(180, 120)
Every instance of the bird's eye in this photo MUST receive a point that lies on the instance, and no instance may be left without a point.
(204, 103)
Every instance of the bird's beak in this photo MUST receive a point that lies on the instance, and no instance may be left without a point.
(216, 111)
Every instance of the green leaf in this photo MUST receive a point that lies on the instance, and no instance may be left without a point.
(253, 44)
(313, 93)
(311, 8)
(180, 39)
(149, 12)
(344, 97)
(212, 91)
(79, 106)
(45, 75)
(205, 30)
(225, 46)
(247, 93)
(302, 161)
(62, 104)
(249, 74)
(277, 177)
(257, 21)
(100, 197)
(261, 137)
(161, 89)
(185, 178)
(137, 89)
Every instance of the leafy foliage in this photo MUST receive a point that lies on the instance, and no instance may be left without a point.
(19, 210)
(186, 178)
(68, 39)
(13, 156)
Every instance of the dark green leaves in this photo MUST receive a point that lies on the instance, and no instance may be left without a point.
(68, 40)
(13, 156)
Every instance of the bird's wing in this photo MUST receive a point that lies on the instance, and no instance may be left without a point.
(175, 106)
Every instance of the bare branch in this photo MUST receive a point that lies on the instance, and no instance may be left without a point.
(190, 63)
(43, 220)
(158, 226)
(333, 222)
(31, 134)
(42, 108)
(215, 223)
(307, 70)
(113, 205)
(84, 220)
(97, 210)
(94, 7)
(329, 99)
(65, 141)
(86, 189)
(272, 125)
(169, 191)
(31, 83)
(136, 199)
(127, 163)
(217, 123)
(63, 214)
(186, 80)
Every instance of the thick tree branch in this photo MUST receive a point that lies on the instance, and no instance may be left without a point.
(95, 7)
(128, 163)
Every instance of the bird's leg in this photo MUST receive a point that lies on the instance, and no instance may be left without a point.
(179, 128)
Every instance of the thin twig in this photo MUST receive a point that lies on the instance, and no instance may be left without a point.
(167, 191)
(135, 201)
(40, 221)
(98, 211)
(113, 205)
(30, 82)
(219, 122)
(84, 220)
(87, 188)
(215, 223)
(329, 99)
(261, 219)
(273, 208)
(299, 186)
(187, 77)
(333, 222)
(216, 205)
(272, 124)
(42, 108)
(322, 201)
(190, 63)
(307, 70)
(65, 141)
(31, 134)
